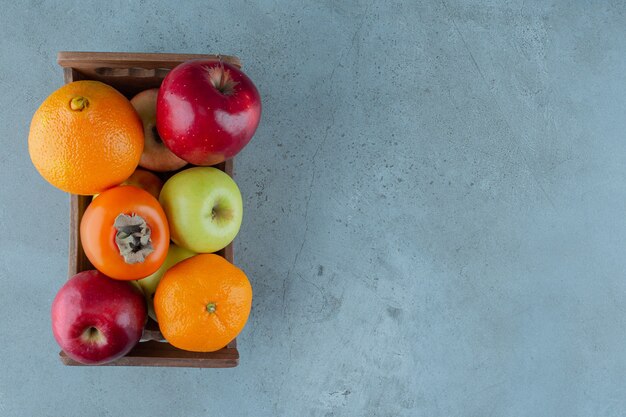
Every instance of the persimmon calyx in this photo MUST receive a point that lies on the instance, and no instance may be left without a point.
(133, 238)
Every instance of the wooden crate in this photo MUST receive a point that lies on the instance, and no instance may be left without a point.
(131, 73)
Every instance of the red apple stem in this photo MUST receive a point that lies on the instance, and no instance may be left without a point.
(222, 80)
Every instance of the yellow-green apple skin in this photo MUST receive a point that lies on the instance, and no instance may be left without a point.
(203, 207)
(148, 285)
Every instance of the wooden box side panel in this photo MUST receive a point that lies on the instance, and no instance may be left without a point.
(161, 354)
(125, 60)
(131, 73)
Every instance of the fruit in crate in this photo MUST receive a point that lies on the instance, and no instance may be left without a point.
(124, 233)
(156, 156)
(207, 111)
(149, 284)
(85, 137)
(145, 180)
(96, 319)
(202, 303)
(203, 207)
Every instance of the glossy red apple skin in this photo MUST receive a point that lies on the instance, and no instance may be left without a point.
(90, 299)
(200, 123)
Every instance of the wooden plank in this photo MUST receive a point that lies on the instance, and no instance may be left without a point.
(86, 60)
(78, 261)
(129, 73)
(229, 253)
(163, 354)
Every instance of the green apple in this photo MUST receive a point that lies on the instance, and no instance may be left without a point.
(136, 285)
(148, 285)
(203, 207)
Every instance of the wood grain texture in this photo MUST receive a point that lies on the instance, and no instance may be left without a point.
(131, 73)
(126, 60)
(165, 355)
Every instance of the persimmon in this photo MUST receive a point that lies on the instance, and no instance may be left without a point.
(124, 233)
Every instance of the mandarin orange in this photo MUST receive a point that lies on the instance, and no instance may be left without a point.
(202, 303)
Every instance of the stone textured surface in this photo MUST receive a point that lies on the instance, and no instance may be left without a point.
(435, 205)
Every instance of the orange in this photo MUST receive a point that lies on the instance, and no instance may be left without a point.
(202, 303)
(85, 137)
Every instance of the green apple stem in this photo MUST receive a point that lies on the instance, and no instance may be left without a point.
(79, 103)
(133, 238)
(221, 212)
(211, 307)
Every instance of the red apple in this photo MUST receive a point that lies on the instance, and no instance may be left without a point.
(155, 156)
(96, 319)
(207, 111)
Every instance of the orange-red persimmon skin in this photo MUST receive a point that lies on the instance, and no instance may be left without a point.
(97, 232)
